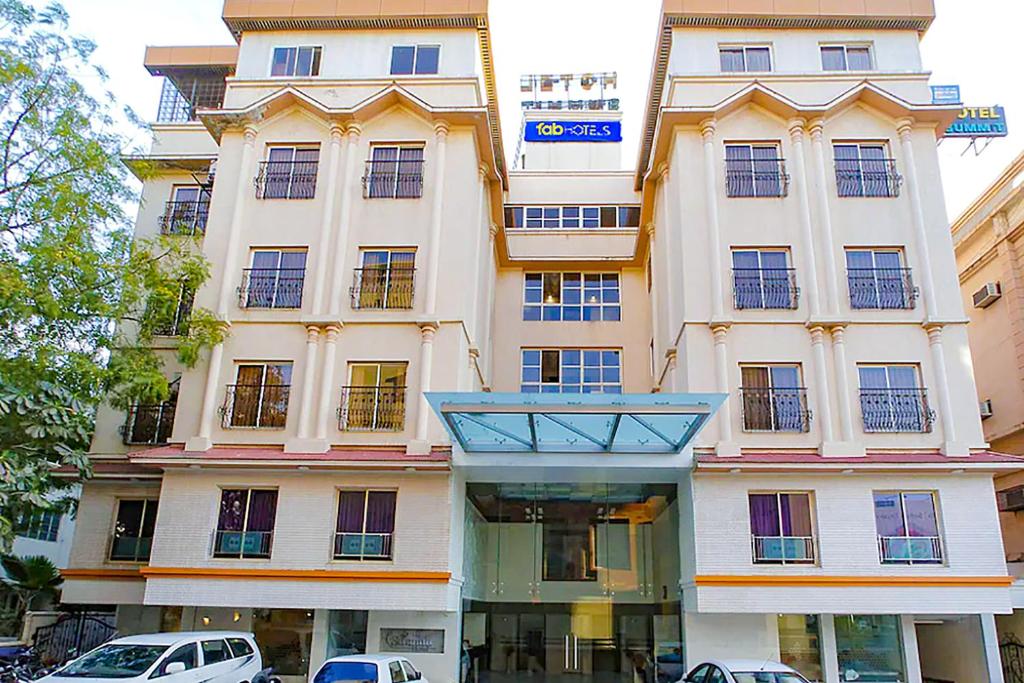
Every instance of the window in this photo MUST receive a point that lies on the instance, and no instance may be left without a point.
(173, 320)
(864, 170)
(40, 525)
(892, 400)
(346, 633)
(366, 525)
(415, 59)
(572, 216)
(285, 638)
(296, 61)
(800, 645)
(773, 400)
(374, 400)
(186, 654)
(908, 528)
(741, 58)
(187, 211)
(239, 647)
(386, 279)
(571, 371)
(762, 278)
(846, 58)
(260, 396)
(411, 674)
(571, 297)
(869, 646)
(780, 528)
(152, 424)
(569, 550)
(394, 172)
(245, 526)
(288, 173)
(215, 651)
(397, 673)
(755, 170)
(878, 279)
(133, 530)
(275, 279)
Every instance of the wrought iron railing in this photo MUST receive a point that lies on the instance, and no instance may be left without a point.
(393, 179)
(242, 544)
(271, 288)
(374, 409)
(286, 180)
(360, 546)
(782, 549)
(771, 409)
(896, 410)
(149, 424)
(910, 549)
(185, 218)
(767, 288)
(383, 288)
(867, 178)
(881, 288)
(756, 178)
(130, 548)
(255, 405)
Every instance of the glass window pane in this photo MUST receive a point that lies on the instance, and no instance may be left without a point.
(731, 59)
(427, 58)
(758, 59)
(833, 59)
(800, 644)
(858, 58)
(920, 511)
(549, 367)
(283, 63)
(889, 515)
(869, 646)
(609, 214)
(346, 633)
(402, 57)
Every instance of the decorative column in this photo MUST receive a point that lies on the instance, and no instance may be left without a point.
(910, 651)
(829, 651)
(725, 446)
(842, 383)
(990, 645)
(707, 132)
(478, 257)
(308, 379)
(670, 285)
(327, 382)
(420, 445)
(655, 310)
(441, 129)
(817, 132)
(354, 130)
(474, 367)
(490, 275)
(333, 162)
(796, 135)
(203, 441)
(905, 130)
(823, 407)
(671, 362)
(237, 218)
(951, 446)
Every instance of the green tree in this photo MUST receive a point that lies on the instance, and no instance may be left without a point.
(30, 578)
(80, 297)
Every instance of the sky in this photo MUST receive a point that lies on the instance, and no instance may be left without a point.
(970, 44)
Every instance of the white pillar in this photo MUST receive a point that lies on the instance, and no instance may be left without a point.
(348, 191)
(420, 443)
(242, 189)
(810, 277)
(829, 651)
(670, 273)
(843, 387)
(990, 642)
(327, 219)
(910, 652)
(478, 256)
(327, 383)
(655, 310)
(308, 380)
(725, 446)
(825, 215)
(671, 362)
(905, 130)
(823, 407)
(202, 441)
(717, 267)
(950, 445)
(490, 285)
(437, 215)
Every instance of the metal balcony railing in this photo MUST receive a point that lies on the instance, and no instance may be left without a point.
(130, 548)
(271, 288)
(383, 288)
(881, 288)
(769, 409)
(185, 218)
(910, 549)
(372, 409)
(867, 178)
(262, 406)
(286, 180)
(242, 544)
(782, 549)
(358, 546)
(896, 410)
(765, 288)
(393, 179)
(149, 424)
(756, 178)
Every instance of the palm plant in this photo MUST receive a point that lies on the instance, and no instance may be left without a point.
(30, 578)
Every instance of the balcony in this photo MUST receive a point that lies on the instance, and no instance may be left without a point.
(765, 288)
(243, 544)
(149, 424)
(765, 178)
(881, 288)
(185, 218)
(896, 410)
(271, 288)
(130, 548)
(286, 180)
(867, 178)
(383, 288)
(768, 409)
(257, 406)
(180, 100)
(372, 409)
(910, 549)
(393, 179)
(782, 549)
(352, 546)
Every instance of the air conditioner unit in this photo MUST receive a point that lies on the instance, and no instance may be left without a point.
(985, 408)
(987, 295)
(1011, 500)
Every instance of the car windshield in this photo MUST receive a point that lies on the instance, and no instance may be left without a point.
(347, 672)
(767, 677)
(114, 661)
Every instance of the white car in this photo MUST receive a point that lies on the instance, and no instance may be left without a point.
(743, 671)
(367, 669)
(199, 657)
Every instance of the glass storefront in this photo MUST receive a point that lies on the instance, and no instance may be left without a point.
(800, 644)
(346, 632)
(869, 648)
(285, 637)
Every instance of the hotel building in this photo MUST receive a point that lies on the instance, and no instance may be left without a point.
(565, 421)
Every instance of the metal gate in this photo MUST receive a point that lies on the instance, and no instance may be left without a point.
(1011, 652)
(72, 634)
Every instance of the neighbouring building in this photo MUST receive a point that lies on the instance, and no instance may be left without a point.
(45, 533)
(579, 422)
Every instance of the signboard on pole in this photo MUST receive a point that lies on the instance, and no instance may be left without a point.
(573, 131)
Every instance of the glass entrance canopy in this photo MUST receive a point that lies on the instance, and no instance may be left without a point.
(573, 423)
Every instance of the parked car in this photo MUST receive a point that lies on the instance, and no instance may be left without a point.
(200, 657)
(743, 671)
(367, 669)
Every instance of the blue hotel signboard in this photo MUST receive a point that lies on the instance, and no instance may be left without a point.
(978, 122)
(573, 131)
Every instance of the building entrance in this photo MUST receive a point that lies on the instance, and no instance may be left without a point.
(572, 582)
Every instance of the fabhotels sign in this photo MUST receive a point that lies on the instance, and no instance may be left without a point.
(573, 131)
(978, 122)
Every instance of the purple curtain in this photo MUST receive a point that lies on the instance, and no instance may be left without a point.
(796, 514)
(764, 514)
(232, 510)
(350, 511)
(262, 509)
(380, 512)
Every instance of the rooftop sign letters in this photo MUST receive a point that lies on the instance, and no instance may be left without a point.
(573, 131)
(979, 122)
